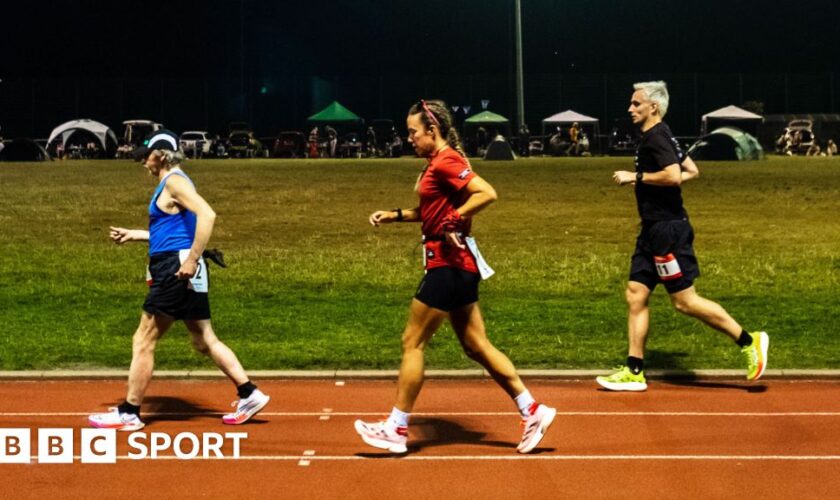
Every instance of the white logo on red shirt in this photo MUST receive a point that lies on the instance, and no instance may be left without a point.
(463, 175)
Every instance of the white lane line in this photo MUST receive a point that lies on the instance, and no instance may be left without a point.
(304, 462)
(511, 457)
(465, 414)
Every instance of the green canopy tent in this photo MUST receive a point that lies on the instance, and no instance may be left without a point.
(491, 122)
(726, 144)
(335, 113)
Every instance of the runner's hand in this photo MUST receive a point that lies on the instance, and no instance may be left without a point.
(622, 177)
(455, 239)
(120, 235)
(382, 217)
(188, 269)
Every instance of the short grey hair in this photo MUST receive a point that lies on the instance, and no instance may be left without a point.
(171, 158)
(656, 92)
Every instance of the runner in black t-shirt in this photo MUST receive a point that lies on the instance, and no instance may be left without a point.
(664, 251)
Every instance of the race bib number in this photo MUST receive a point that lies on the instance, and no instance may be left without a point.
(483, 269)
(667, 267)
(198, 283)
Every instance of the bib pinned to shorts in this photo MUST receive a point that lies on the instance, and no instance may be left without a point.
(198, 283)
(483, 268)
(667, 267)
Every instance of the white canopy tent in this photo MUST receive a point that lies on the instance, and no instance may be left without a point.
(568, 117)
(107, 138)
(730, 115)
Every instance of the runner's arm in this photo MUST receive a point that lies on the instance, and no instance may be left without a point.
(481, 194)
(689, 170)
(388, 216)
(120, 235)
(668, 176)
(187, 197)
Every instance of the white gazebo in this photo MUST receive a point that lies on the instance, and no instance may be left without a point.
(732, 116)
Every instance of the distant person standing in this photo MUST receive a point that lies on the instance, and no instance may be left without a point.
(332, 139)
(664, 252)
(524, 140)
(574, 140)
(371, 142)
(180, 224)
(831, 148)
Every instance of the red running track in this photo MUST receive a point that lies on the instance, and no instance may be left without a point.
(779, 439)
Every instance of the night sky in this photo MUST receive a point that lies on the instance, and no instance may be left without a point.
(202, 38)
(191, 64)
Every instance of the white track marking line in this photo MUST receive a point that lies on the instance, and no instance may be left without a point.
(304, 462)
(466, 414)
(339, 383)
(511, 457)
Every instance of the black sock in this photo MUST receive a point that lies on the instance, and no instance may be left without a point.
(636, 365)
(745, 339)
(127, 407)
(245, 390)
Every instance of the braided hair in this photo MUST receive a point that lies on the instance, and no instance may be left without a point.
(436, 113)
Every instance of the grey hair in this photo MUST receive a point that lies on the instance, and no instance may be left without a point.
(171, 158)
(656, 92)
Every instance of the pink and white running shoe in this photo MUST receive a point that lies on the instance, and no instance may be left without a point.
(116, 420)
(246, 408)
(382, 436)
(535, 426)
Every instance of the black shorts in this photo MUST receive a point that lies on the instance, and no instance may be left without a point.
(664, 254)
(448, 288)
(170, 296)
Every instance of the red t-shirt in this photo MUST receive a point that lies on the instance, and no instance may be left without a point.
(441, 191)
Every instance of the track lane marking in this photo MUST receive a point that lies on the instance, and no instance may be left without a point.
(432, 458)
(463, 414)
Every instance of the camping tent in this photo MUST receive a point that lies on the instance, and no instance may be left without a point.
(81, 132)
(499, 150)
(731, 116)
(726, 144)
(567, 118)
(23, 150)
(334, 113)
(492, 123)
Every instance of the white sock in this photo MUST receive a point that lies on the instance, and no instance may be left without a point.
(524, 402)
(398, 418)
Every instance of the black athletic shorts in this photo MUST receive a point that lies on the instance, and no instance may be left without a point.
(170, 296)
(448, 288)
(664, 254)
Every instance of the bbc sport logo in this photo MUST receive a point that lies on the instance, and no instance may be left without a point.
(99, 446)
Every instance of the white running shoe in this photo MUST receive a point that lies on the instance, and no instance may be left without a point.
(246, 408)
(116, 420)
(380, 435)
(535, 427)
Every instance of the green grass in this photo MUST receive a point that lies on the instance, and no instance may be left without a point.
(311, 285)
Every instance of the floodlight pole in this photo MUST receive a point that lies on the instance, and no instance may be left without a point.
(520, 90)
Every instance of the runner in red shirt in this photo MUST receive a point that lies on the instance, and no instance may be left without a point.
(450, 195)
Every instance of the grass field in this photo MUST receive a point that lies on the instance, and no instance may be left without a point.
(311, 285)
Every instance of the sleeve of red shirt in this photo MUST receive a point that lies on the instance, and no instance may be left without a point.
(454, 172)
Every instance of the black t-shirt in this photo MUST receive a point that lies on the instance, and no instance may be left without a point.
(657, 149)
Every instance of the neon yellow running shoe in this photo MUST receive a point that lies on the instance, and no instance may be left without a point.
(624, 380)
(755, 355)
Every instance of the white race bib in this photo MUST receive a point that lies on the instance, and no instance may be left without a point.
(198, 283)
(483, 269)
(667, 267)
